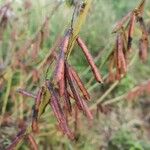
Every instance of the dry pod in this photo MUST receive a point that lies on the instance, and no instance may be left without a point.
(89, 59)
(32, 142)
(121, 62)
(25, 93)
(36, 110)
(79, 101)
(131, 30)
(73, 87)
(80, 83)
(67, 101)
(18, 139)
(59, 71)
(143, 53)
(143, 42)
(56, 107)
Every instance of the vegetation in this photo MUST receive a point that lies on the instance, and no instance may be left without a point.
(58, 91)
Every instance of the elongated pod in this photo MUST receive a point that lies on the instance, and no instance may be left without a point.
(89, 59)
(80, 83)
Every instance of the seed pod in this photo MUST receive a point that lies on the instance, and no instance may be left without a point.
(17, 140)
(143, 42)
(119, 44)
(25, 93)
(111, 66)
(59, 71)
(76, 95)
(80, 83)
(56, 107)
(65, 42)
(124, 65)
(67, 99)
(87, 111)
(125, 42)
(131, 30)
(36, 110)
(143, 54)
(32, 142)
(61, 86)
(89, 59)
(118, 75)
(79, 101)
(35, 127)
(121, 62)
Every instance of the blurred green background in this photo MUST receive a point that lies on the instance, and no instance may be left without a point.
(126, 127)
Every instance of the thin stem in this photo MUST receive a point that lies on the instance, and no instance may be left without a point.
(101, 99)
(8, 86)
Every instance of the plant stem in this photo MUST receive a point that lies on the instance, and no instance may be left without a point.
(8, 86)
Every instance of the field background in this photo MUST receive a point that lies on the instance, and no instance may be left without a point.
(125, 127)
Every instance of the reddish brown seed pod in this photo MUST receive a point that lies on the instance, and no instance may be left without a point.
(59, 71)
(89, 59)
(56, 107)
(80, 83)
(32, 142)
(36, 110)
(119, 50)
(131, 30)
(80, 102)
(25, 93)
(87, 111)
(124, 65)
(17, 139)
(65, 42)
(67, 99)
(60, 118)
(75, 93)
(111, 66)
(34, 125)
(61, 86)
(143, 42)
(121, 62)
(143, 54)
(68, 102)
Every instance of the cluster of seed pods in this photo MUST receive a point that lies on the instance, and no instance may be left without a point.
(123, 46)
(65, 85)
(65, 92)
(68, 86)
